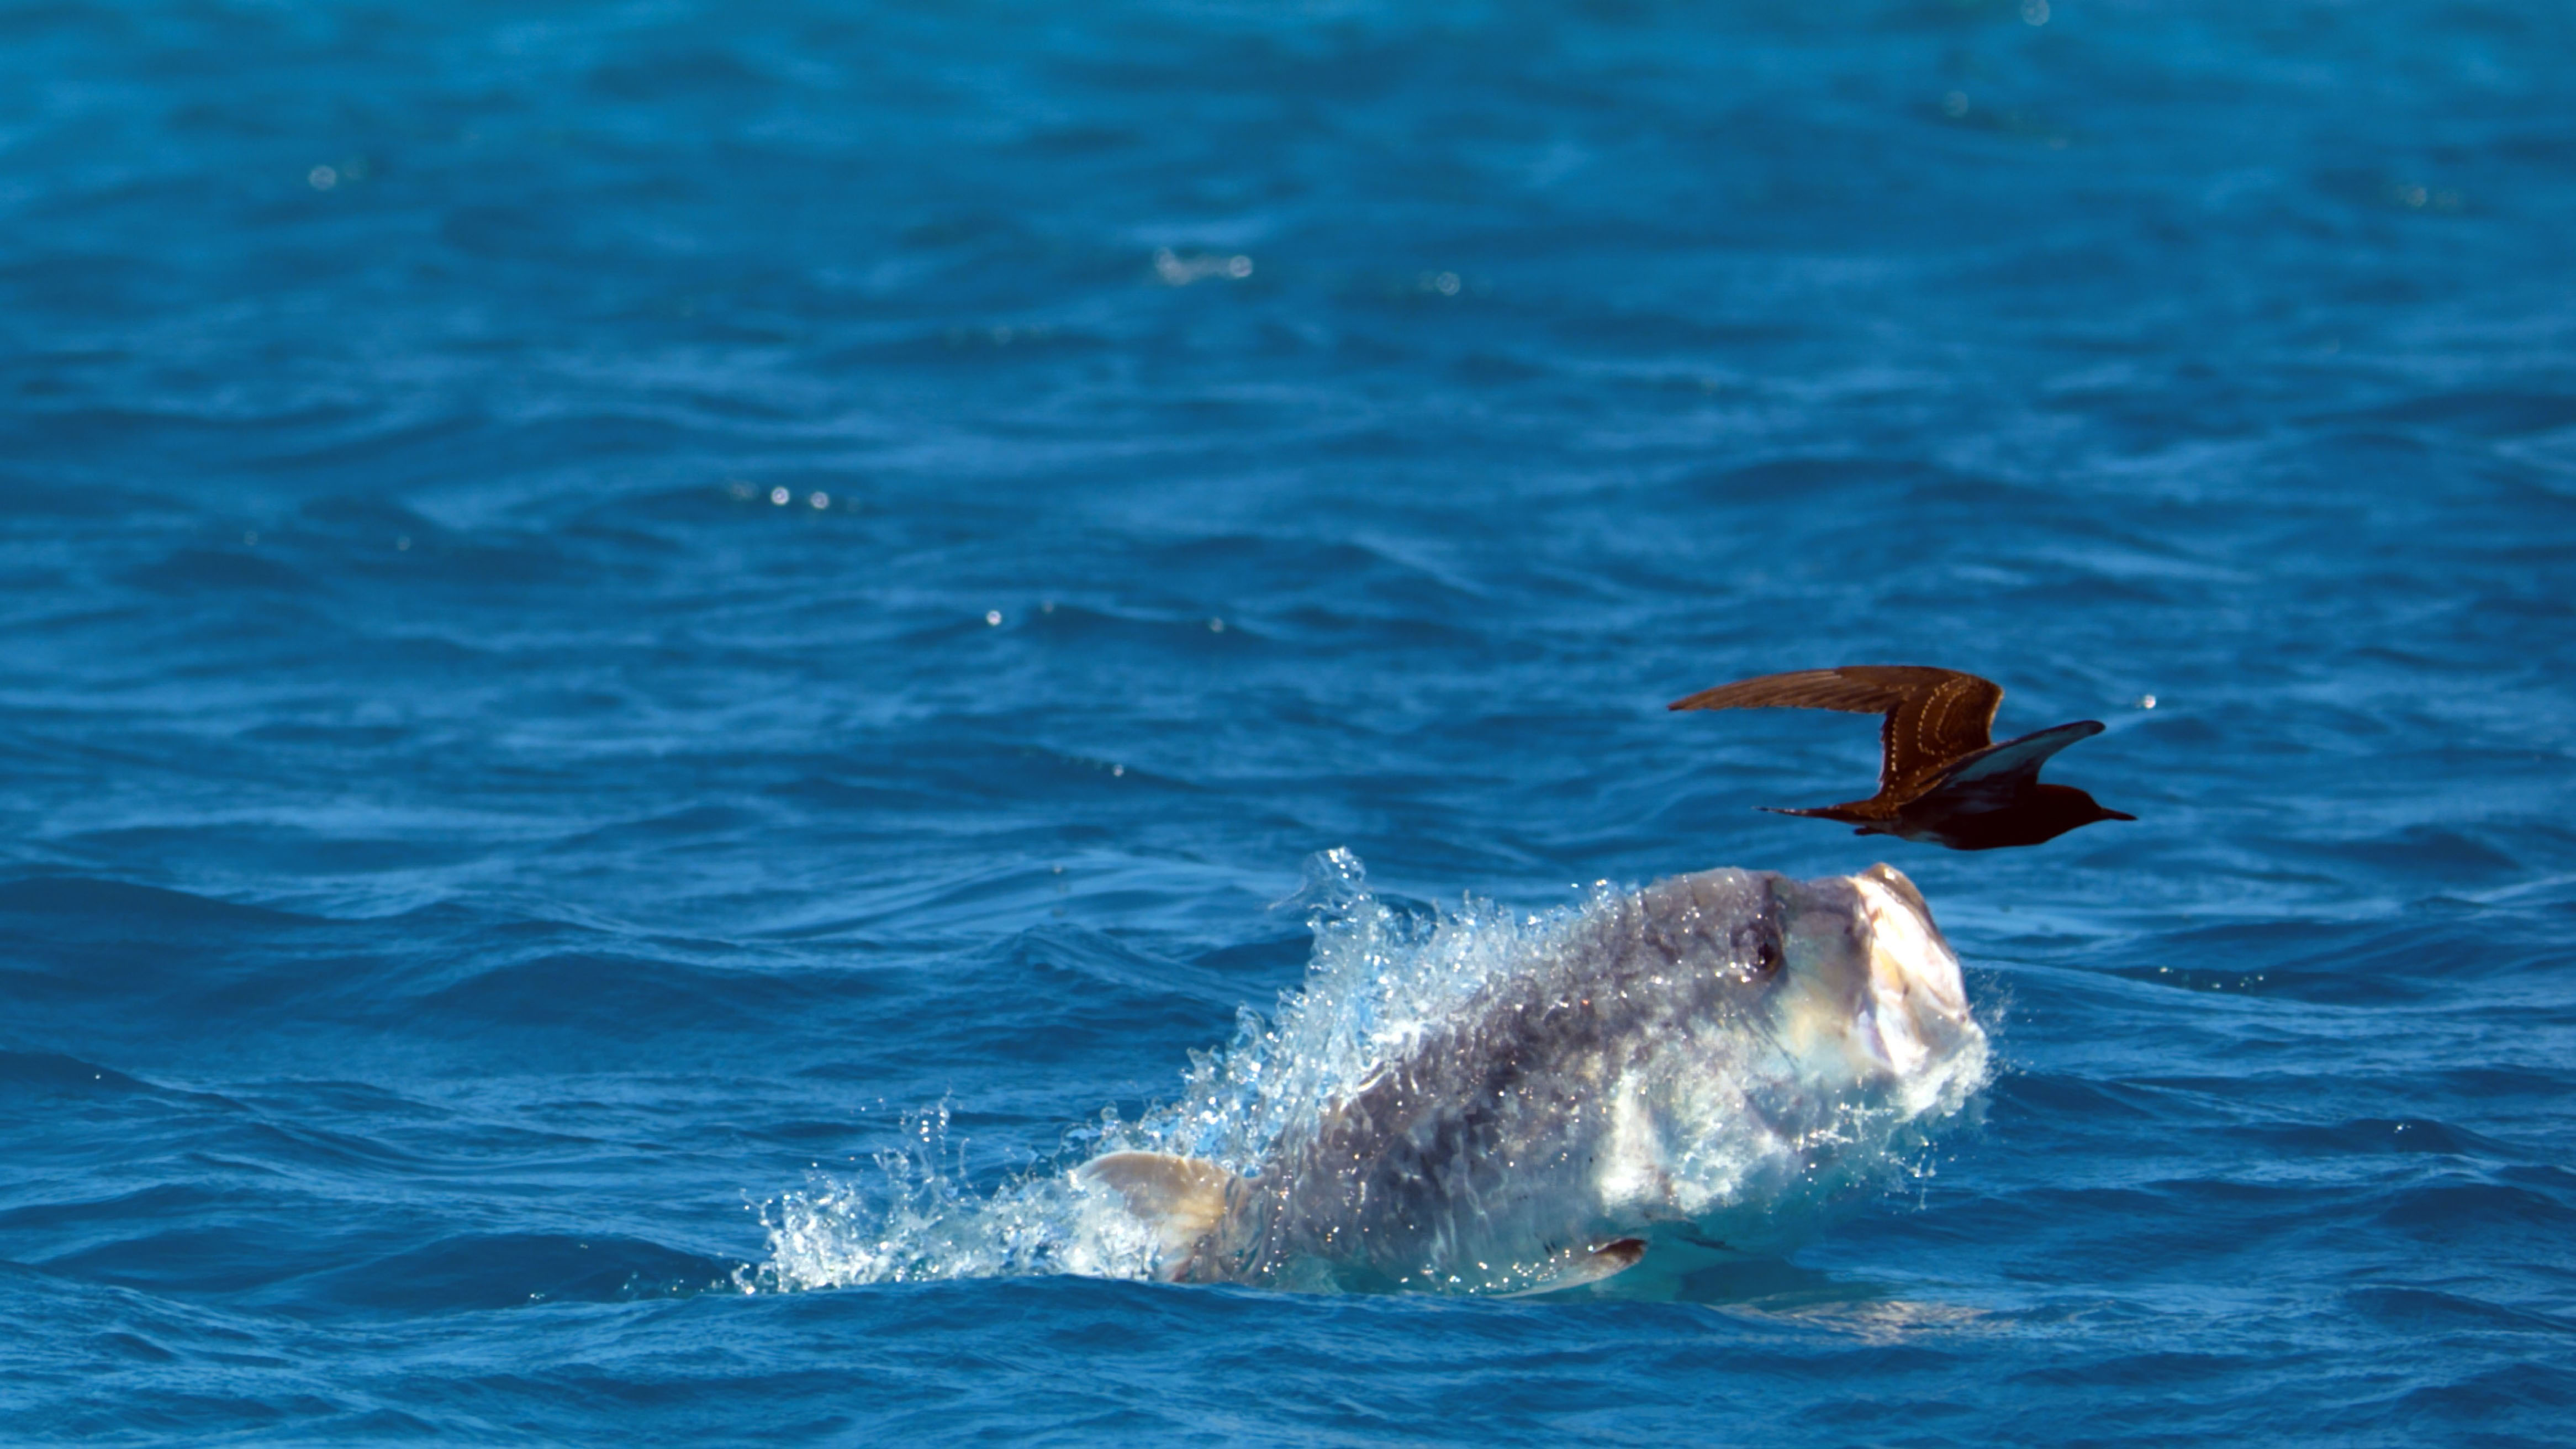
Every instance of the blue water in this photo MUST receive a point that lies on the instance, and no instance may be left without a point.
(472, 866)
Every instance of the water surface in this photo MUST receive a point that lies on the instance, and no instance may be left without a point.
(606, 613)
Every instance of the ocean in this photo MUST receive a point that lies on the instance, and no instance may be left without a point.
(654, 655)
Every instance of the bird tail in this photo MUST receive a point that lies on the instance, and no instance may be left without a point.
(1843, 813)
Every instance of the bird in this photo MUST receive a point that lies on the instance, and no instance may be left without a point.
(1943, 781)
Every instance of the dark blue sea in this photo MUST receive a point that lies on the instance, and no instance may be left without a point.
(649, 651)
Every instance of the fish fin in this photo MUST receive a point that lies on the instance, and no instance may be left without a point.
(1183, 1199)
(1607, 1261)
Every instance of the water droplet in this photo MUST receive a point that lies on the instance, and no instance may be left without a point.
(993, 617)
(2034, 12)
(322, 178)
(1176, 270)
(1216, 626)
(819, 499)
(2146, 701)
(779, 496)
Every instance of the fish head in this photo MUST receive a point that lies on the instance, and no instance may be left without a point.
(1867, 988)
(1832, 1036)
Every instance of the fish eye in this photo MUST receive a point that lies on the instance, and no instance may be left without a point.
(1766, 957)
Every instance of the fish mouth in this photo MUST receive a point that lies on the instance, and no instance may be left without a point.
(1916, 1000)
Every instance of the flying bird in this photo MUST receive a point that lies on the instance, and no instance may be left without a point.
(1944, 780)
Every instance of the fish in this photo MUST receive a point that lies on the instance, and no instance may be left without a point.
(1673, 1076)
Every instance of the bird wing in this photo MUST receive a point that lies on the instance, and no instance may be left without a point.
(2001, 773)
(1934, 716)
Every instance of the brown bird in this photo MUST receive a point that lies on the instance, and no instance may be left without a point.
(1943, 780)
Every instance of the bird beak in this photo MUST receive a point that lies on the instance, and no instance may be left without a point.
(2117, 815)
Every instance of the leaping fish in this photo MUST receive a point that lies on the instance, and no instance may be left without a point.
(1653, 1078)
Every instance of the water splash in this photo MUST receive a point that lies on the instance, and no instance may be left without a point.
(917, 1219)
